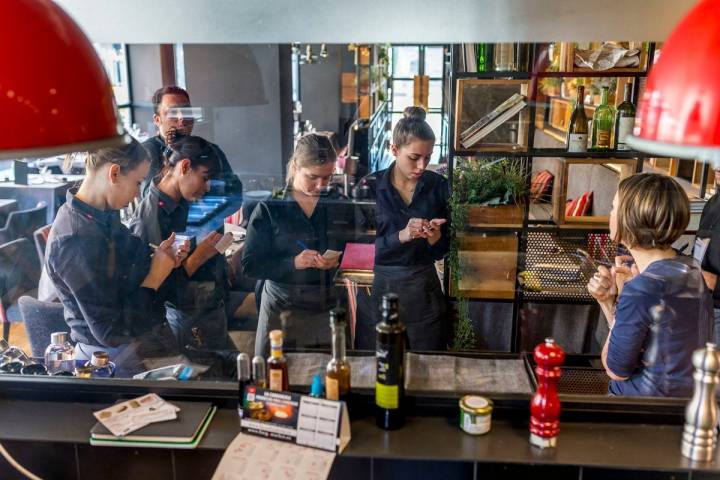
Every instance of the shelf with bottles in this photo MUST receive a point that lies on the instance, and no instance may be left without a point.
(491, 115)
(371, 64)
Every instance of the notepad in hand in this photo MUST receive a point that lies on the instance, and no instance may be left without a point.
(358, 256)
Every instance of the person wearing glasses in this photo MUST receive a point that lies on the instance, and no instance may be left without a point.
(174, 117)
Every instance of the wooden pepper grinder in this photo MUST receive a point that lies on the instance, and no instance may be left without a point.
(701, 414)
(545, 404)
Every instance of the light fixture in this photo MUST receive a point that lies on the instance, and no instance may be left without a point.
(679, 112)
(55, 96)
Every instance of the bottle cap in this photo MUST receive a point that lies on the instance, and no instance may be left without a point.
(83, 371)
(316, 389)
(58, 338)
(276, 337)
(390, 303)
(338, 316)
(243, 366)
(258, 368)
(100, 359)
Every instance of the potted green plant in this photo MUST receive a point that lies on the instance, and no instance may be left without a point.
(490, 191)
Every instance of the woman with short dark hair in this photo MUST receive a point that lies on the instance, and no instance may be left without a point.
(659, 310)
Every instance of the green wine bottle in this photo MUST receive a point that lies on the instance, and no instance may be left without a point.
(484, 57)
(578, 129)
(602, 123)
(624, 120)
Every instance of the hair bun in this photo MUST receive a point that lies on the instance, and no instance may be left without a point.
(414, 113)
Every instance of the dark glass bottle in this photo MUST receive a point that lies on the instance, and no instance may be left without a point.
(624, 120)
(243, 373)
(390, 356)
(578, 129)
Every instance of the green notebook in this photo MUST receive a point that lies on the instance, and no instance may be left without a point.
(184, 432)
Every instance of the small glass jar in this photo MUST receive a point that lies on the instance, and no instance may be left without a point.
(475, 414)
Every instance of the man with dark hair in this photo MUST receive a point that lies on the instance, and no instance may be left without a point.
(174, 117)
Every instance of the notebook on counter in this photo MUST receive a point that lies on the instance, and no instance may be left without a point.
(358, 256)
(184, 432)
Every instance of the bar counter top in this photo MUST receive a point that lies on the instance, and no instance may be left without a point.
(637, 447)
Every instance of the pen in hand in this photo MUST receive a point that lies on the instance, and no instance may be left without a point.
(301, 244)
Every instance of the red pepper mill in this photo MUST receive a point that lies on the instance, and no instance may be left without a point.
(545, 404)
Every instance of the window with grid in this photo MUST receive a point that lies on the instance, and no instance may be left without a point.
(406, 62)
(114, 59)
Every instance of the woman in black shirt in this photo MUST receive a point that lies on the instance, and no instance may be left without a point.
(105, 276)
(285, 243)
(196, 293)
(412, 232)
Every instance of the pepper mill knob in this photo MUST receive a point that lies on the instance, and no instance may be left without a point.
(545, 404)
(701, 413)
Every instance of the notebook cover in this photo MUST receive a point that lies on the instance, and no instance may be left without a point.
(183, 429)
(358, 256)
(148, 444)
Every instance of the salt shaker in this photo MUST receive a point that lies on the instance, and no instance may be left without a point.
(545, 404)
(701, 414)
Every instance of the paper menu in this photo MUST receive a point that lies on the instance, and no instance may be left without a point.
(256, 458)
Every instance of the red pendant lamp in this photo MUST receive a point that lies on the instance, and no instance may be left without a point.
(54, 94)
(679, 112)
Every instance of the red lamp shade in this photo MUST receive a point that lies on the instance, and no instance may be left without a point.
(54, 94)
(679, 112)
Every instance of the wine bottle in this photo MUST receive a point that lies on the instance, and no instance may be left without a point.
(390, 357)
(624, 120)
(277, 364)
(484, 57)
(602, 123)
(504, 57)
(578, 128)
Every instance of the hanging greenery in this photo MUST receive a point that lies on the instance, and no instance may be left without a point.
(478, 181)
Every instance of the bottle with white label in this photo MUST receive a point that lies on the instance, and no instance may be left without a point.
(577, 136)
(624, 120)
(337, 373)
(277, 364)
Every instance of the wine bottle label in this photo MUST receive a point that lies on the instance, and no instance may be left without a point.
(603, 139)
(332, 388)
(276, 380)
(389, 376)
(577, 142)
(625, 127)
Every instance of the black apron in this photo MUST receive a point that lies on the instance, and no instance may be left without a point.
(422, 303)
(309, 321)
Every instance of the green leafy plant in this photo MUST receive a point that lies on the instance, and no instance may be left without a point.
(483, 181)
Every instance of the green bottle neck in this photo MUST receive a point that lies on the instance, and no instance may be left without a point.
(604, 96)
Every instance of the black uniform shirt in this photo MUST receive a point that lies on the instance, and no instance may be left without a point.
(277, 226)
(709, 228)
(97, 267)
(429, 201)
(158, 216)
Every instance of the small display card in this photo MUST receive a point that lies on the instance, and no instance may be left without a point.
(291, 417)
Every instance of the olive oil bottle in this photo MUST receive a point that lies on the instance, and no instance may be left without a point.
(390, 356)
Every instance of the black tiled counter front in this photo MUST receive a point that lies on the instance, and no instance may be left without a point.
(51, 438)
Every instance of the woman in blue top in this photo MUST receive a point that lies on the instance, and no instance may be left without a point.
(659, 310)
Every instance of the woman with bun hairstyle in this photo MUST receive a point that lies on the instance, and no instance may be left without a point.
(285, 243)
(106, 277)
(412, 232)
(195, 293)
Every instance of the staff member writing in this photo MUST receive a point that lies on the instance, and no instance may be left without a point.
(658, 311)
(195, 293)
(285, 243)
(412, 232)
(105, 276)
